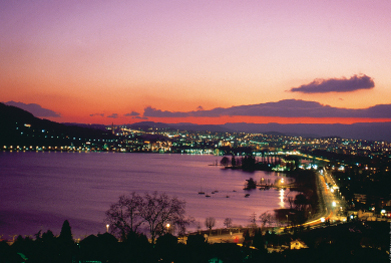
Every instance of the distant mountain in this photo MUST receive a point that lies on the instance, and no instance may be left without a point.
(20, 127)
(12, 120)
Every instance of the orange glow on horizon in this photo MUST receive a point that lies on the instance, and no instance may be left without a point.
(264, 120)
(220, 120)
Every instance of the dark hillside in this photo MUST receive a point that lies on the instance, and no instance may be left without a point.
(19, 127)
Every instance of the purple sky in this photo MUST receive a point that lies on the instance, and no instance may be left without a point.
(90, 60)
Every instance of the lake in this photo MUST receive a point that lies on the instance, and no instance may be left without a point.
(39, 190)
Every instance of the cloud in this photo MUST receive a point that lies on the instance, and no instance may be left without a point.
(133, 113)
(114, 116)
(336, 85)
(34, 109)
(152, 112)
(282, 108)
(97, 114)
(140, 118)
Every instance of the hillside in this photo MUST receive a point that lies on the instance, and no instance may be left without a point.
(19, 127)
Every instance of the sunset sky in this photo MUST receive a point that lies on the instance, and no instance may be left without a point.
(96, 61)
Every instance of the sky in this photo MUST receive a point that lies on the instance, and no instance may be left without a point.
(206, 62)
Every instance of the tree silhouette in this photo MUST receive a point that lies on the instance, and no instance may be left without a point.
(152, 212)
(253, 221)
(251, 184)
(228, 222)
(301, 202)
(125, 215)
(210, 222)
(159, 210)
(66, 233)
(66, 244)
(233, 161)
(166, 247)
(224, 161)
(266, 219)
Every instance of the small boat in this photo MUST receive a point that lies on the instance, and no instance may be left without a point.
(201, 192)
(207, 195)
(227, 196)
(247, 195)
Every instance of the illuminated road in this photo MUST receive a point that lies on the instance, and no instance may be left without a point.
(330, 200)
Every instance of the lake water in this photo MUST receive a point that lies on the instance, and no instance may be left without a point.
(39, 190)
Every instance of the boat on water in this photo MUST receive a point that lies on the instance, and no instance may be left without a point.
(247, 195)
(207, 195)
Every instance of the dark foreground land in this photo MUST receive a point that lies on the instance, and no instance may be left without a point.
(350, 242)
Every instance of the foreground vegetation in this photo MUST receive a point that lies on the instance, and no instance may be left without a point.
(352, 242)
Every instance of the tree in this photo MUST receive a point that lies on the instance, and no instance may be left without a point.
(253, 220)
(224, 161)
(66, 233)
(301, 202)
(259, 240)
(228, 222)
(266, 218)
(210, 222)
(248, 162)
(125, 215)
(233, 161)
(65, 243)
(150, 212)
(251, 184)
(167, 247)
(159, 210)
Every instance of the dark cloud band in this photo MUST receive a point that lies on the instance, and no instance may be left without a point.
(97, 114)
(114, 116)
(283, 108)
(133, 113)
(337, 85)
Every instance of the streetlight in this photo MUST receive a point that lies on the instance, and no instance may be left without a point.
(168, 227)
(107, 228)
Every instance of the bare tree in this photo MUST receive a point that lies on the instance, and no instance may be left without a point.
(125, 215)
(266, 218)
(228, 222)
(253, 221)
(210, 222)
(152, 212)
(160, 210)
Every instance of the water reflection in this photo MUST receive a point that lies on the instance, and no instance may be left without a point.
(282, 195)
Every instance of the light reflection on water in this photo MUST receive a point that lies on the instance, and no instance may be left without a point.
(41, 190)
